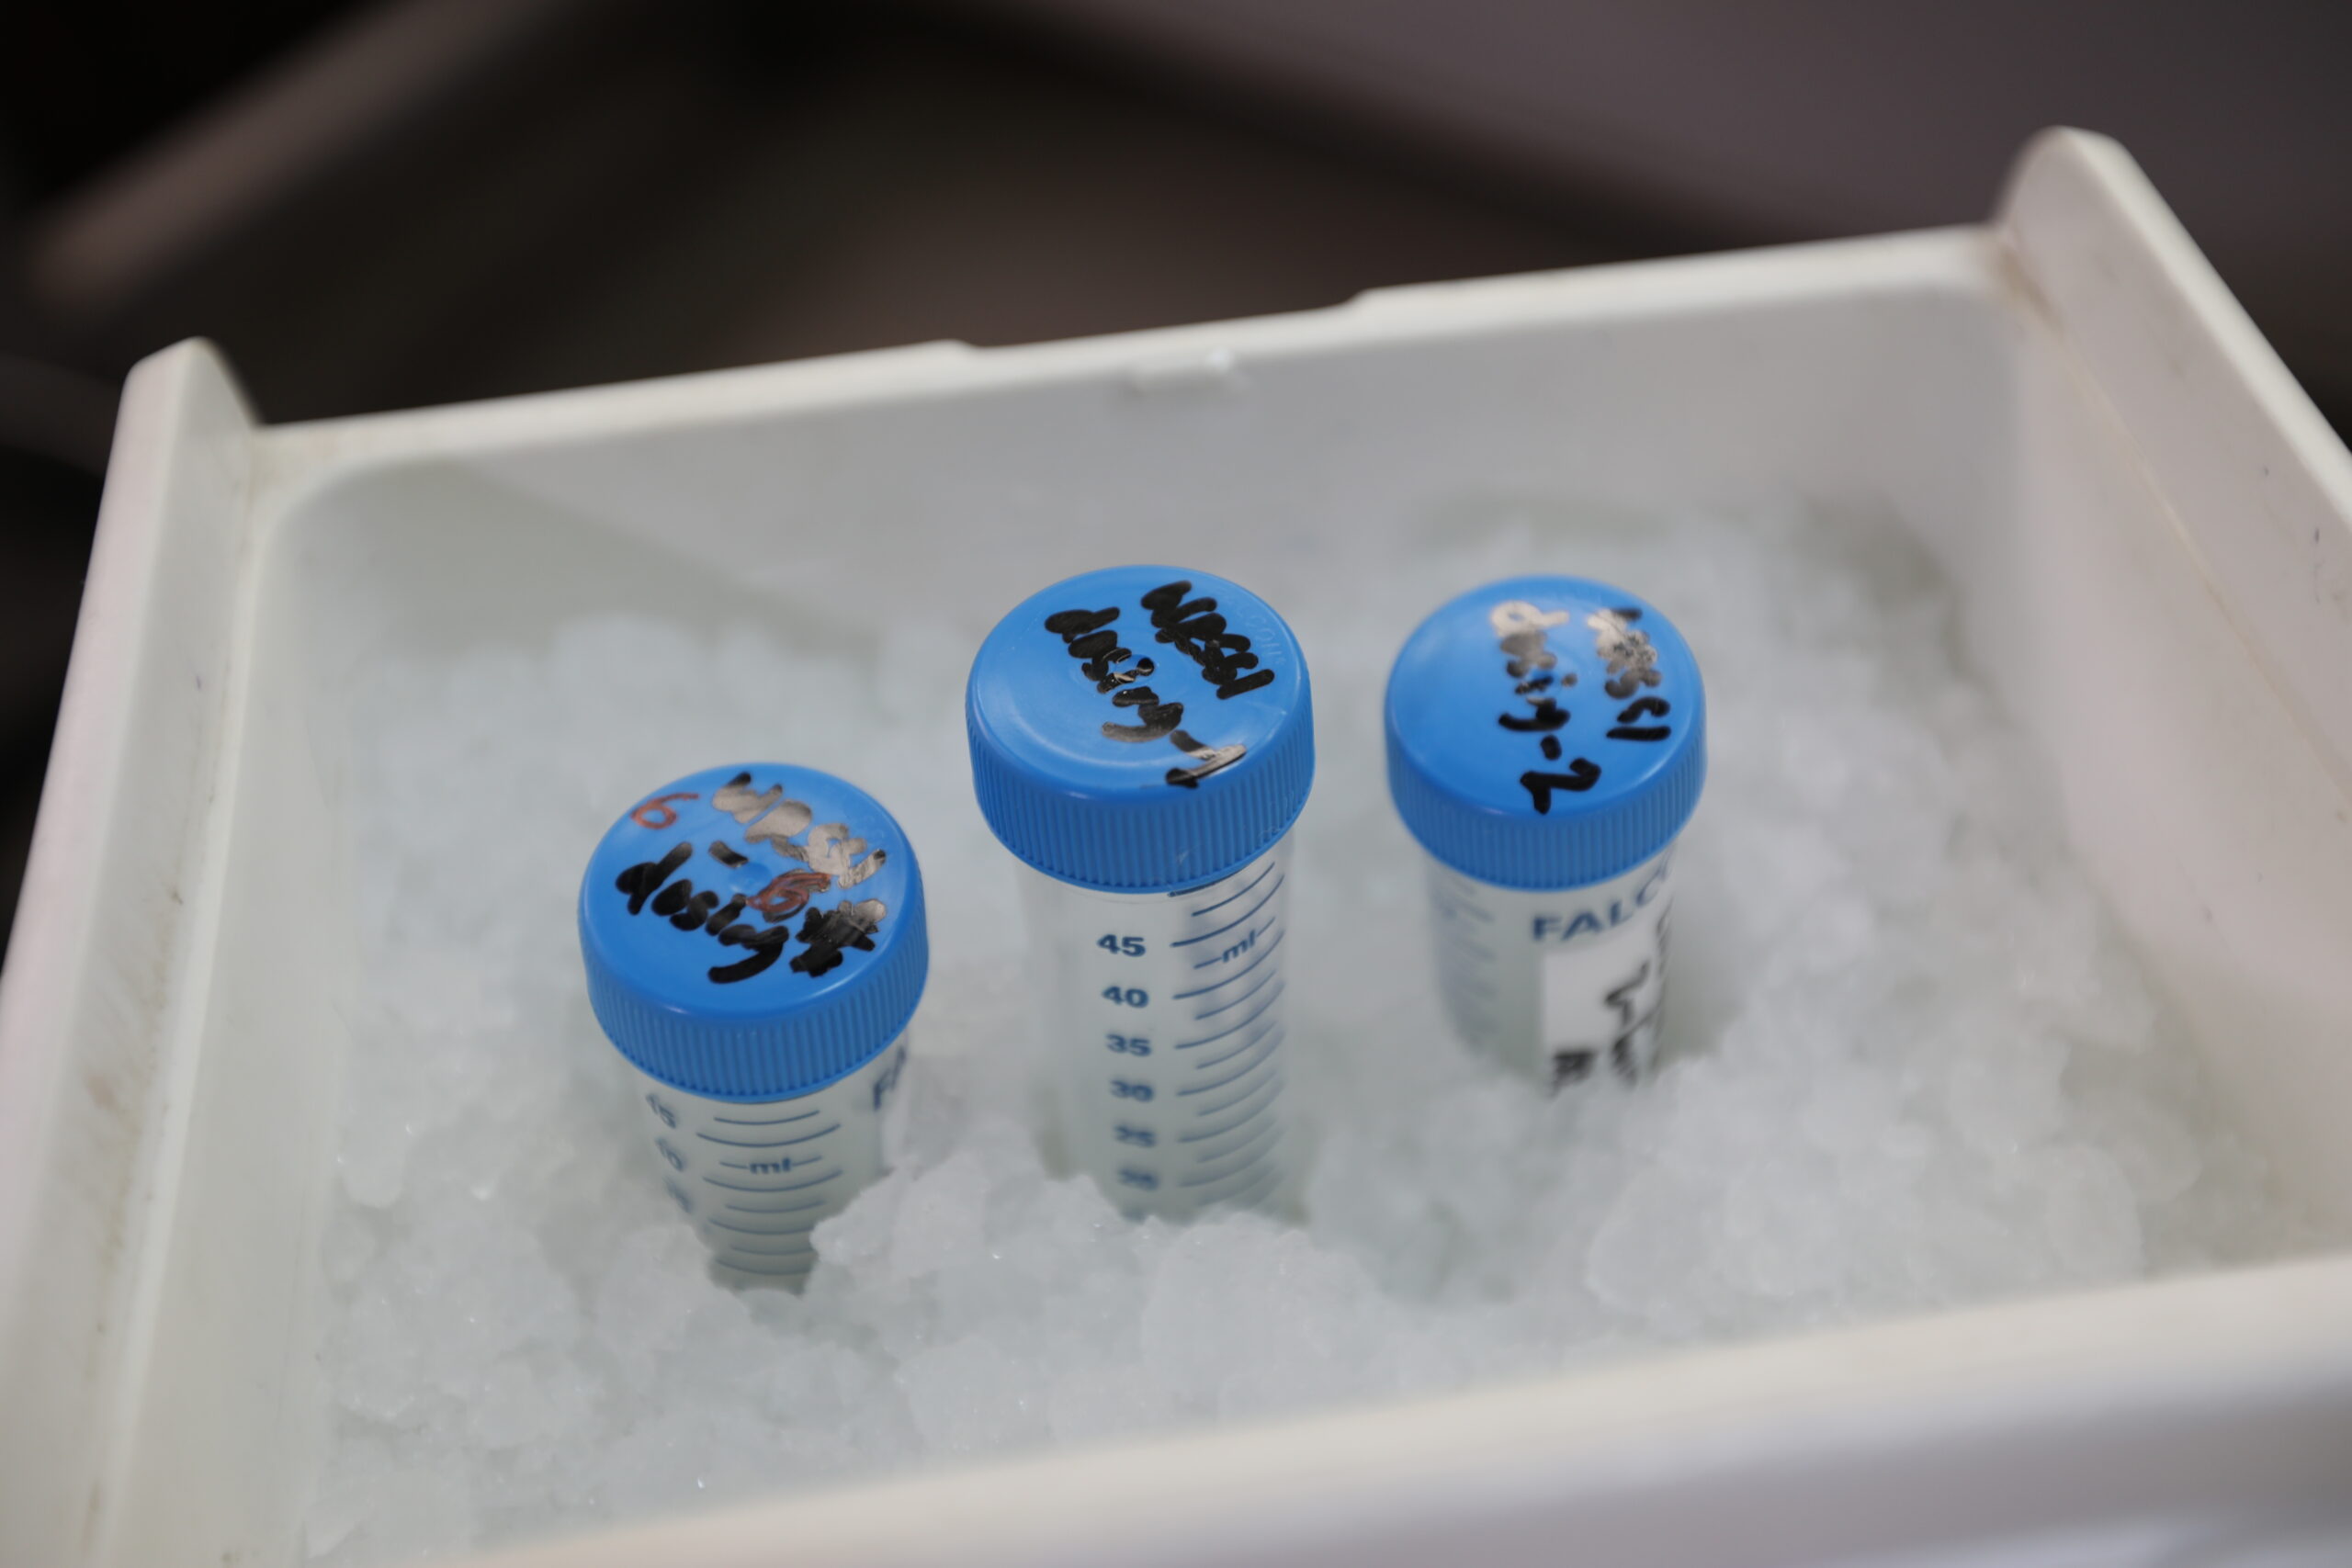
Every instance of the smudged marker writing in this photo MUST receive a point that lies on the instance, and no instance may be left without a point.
(830, 932)
(762, 1098)
(835, 855)
(641, 881)
(1522, 631)
(1195, 630)
(1206, 760)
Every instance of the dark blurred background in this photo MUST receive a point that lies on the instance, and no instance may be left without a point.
(414, 201)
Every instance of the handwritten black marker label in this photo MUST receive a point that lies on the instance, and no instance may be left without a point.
(1581, 776)
(1548, 715)
(771, 819)
(1646, 708)
(831, 932)
(640, 882)
(1194, 629)
(1083, 631)
(1522, 633)
(766, 947)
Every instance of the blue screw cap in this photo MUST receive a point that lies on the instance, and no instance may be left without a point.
(1545, 732)
(1140, 728)
(754, 931)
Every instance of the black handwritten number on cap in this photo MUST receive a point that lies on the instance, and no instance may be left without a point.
(1628, 728)
(1128, 1044)
(1127, 996)
(1581, 776)
(1128, 946)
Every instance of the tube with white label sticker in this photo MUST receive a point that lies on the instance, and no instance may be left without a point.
(1142, 740)
(754, 942)
(1546, 746)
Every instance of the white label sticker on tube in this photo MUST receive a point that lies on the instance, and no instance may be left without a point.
(1601, 989)
(1566, 984)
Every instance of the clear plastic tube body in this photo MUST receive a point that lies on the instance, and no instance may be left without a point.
(1163, 1018)
(1563, 984)
(756, 1178)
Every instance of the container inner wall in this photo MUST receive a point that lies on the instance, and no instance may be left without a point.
(1913, 389)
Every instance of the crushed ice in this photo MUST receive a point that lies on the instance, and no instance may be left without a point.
(1909, 1065)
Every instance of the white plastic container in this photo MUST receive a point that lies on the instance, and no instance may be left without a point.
(2151, 531)
(1153, 822)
